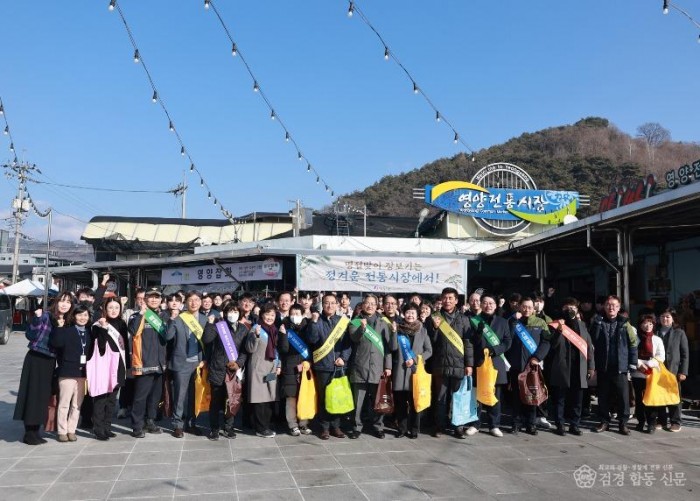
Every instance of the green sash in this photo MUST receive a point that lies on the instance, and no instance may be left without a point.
(451, 335)
(489, 335)
(193, 325)
(154, 321)
(371, 334)
(334, 337)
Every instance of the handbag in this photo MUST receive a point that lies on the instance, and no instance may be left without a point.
(339, 395)
(102, 371)
(234, 391)
(202, 391)
(486, 376)
(384, 399)
(464, 408)
(307, 407)
(421, 382)
(533, 391)
(662, 388)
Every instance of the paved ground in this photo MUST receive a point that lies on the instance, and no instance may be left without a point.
(665, 466)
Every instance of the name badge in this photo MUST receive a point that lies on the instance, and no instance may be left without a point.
(83, 359)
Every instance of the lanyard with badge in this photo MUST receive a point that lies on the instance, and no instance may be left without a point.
(83, 344)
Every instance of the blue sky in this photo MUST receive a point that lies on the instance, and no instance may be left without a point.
(81, 109)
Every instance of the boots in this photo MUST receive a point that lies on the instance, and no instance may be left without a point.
(32, 437)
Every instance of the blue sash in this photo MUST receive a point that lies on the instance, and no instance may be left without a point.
(406, 350)
(298, 344)
(265, 336)
(525, 337)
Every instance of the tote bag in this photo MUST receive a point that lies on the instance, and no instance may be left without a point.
(464, 408)
(421, 381)
(339, 396)
(486, 377)
(202, 391)
(306, 402)
(662, 388)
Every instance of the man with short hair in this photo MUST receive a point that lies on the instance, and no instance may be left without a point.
(184, 332)
(372, 344)
(246, 304)
(453, 358)
(474, 301)
(331, 352)
(284, 303)
(615, 348)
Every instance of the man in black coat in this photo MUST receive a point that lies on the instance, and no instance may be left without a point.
(677, 356)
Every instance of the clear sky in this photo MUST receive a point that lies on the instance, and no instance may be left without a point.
(81, 110)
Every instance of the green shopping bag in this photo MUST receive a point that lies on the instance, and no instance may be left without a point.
(339, 396)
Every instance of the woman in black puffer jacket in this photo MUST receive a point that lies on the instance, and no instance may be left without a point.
(291, 360)
(220, 364)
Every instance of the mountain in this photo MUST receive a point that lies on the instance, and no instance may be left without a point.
(588, 156)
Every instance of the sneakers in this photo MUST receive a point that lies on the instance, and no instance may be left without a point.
(229, 433)
(266, 434)
(675, 428)
(213, 435)
(471, 431)
(305, 430)
(72, 437)
(295, 432)
(544, 423)
(138, 434)
(496, 432)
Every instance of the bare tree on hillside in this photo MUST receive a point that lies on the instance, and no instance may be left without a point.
(654, 134)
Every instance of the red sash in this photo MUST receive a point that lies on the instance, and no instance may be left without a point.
(573, 338)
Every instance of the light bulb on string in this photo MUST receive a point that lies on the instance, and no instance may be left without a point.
(272, 115)
(234, 50)
(171, 126)
(456, 138)
(308, 167)
(351, 9)
(332, 193)
(2, 109)
(191, 167)
(415, 88)
(473, 158)
(299, 155)
(137, 56)
(665, 8)
(437, 116)
(112, 4)
(155, 96)
(201, 181)
(182, 151)
(215, 202)
(326, 187)
(256, 88)
(7, 130)
(386, 53)
(318, 179)
(206, 4)
(286, 136)
(209, 195)
(12, 147)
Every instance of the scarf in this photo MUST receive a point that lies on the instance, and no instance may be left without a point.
(646, 347)
(271, 341)
(411, 328)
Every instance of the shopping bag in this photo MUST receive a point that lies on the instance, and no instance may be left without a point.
(307, 406)
(384, 400)
(421, 381)
(662, 388)
(486, 376)
(234, 390)
(202, 391)
(464, 409)
(533, 391)
(339, 396)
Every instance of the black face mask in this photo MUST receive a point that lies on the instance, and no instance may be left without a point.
(570, 314)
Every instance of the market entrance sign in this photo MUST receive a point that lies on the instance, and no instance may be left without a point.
(269, 269)
(503, 199)
(380, 274)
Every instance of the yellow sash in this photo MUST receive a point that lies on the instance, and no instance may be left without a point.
(451, 335)
(334, 337)
(193, 325)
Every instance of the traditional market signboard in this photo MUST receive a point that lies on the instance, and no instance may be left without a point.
(685, 174)
(503, 199)
(269, 269)
(380, 274)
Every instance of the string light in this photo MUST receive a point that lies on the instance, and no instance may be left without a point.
(155, 96)
(456, 140)
(668, 5)
(206, 4)
(351, 9)
(182, 151)
(137, 56)
(209, 195)
(171, 126)
(274, 115)
(7, 130)
(191, 167)
(318, 179)
(416, 89)
(12, 147)
(112, 3)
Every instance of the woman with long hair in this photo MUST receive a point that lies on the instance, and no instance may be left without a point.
(650, 352)
(37, 372)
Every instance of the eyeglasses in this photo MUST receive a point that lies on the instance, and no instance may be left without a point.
(488, 303)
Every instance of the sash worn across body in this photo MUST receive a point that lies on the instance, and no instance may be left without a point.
(572, 337)
(193, 324)
(526, 337)
(227, 340)
(298, 344)
(406, 351)
(451, 335)
(332, 339)
(371, 334)
(489, 335)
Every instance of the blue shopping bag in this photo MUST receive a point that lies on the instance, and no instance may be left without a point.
(464, 408)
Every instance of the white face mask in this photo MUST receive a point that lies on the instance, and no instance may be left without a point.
(296, 319)
(232, 317)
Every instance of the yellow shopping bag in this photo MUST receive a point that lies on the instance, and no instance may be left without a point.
(202, 391)
(662, 388)
(306, 403)
(486, 377)
(421, 386)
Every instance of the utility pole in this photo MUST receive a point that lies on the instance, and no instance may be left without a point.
(181, 191)
(20, 205)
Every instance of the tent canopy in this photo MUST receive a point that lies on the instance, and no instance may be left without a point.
(26, 288)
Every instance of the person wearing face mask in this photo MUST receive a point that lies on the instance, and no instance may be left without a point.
(571, 365)
(293, 350)
(71, 354)
(224, 359)
(677, 356)
(650, 353)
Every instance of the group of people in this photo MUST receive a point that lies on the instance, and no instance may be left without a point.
(131, 356)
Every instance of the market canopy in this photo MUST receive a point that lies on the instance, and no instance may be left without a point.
(26, 288)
